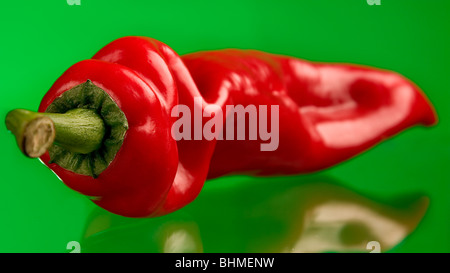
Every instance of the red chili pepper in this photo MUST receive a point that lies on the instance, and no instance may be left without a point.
(327, 113)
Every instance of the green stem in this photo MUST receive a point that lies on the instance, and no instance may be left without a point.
(78, 130)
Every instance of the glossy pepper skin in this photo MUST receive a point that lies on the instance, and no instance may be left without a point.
(327, 114)
(132, 184)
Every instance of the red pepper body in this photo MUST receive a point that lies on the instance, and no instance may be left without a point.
(327, 114)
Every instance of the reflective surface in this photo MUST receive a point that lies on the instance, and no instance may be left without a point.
(244, 214)
(41, 39)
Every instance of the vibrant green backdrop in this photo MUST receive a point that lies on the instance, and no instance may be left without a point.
(41, 39)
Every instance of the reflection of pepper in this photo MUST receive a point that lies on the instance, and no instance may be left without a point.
(308, 213)
(327, 114)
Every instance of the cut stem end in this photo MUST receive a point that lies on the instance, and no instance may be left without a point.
(38, 136)
(78, 130)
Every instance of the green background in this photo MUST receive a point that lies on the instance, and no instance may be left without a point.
(41, 39)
